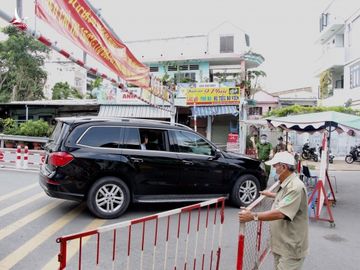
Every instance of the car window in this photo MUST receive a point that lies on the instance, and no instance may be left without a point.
(108, 137)
(153, 139)
(58, 130)
(131, 139)
(187, 142)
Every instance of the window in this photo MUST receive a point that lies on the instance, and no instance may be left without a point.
(107, 137)
(339, 83)
(187, 142)
(145, 139)
(227, 44)
(355, 75)
(155, 139)
(154, 69)
(247, 40)
(172, 68)
(183, 67)
(255, 111)
(194, 67)
(323, 20)
(185, 77)
(131, 139)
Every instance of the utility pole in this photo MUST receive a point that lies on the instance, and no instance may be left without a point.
(19, 8)
(242, 110)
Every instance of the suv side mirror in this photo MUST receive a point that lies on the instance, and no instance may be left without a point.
(217, 155)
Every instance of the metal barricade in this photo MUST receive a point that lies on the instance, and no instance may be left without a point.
(254, 237)
(183, 238)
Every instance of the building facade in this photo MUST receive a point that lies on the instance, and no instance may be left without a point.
(215, 60)
(60, 69)
(339, 39)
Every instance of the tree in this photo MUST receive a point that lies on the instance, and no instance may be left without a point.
(297, 109)
(21, 61)
(62, 90)
(94, 86)
(325, 82)
(251, 83)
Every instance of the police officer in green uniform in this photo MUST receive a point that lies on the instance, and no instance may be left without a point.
(264, 150)
(288, 216)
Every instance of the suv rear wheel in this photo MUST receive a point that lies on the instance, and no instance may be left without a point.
(109, 197)
(245, 190)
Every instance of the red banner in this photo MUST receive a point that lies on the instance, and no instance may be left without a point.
(75, 20)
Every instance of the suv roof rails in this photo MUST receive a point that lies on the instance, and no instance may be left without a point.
(134, 120)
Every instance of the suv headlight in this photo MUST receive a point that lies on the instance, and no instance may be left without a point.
(262, 166)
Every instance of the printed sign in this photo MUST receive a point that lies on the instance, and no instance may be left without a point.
(213, 96)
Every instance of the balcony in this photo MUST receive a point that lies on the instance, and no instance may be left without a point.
(333, 58)
(329, 25)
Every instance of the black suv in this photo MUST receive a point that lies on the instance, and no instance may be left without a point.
(112, 162)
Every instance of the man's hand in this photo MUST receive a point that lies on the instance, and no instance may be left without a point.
(245, 215)
(267, 193)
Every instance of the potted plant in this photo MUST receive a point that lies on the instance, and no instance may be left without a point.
(10, 128)
(38, 128)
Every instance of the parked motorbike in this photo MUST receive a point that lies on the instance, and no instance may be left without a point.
(331, 155)
(309, 153)
(354, 154)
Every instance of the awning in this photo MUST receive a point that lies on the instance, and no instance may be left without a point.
(133, 111)
(214, 110)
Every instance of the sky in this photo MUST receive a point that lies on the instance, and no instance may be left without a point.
(284, 32)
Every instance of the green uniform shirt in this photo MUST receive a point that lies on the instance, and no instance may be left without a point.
(289, 237)
(264, 151)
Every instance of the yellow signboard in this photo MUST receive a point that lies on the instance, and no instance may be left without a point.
(213, 96)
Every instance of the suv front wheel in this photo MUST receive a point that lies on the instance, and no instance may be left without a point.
(245, 190)
(108, 198)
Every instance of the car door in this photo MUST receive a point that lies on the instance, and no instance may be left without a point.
(200, 172)
(154, 171)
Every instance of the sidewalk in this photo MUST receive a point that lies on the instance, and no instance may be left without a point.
(338, 165)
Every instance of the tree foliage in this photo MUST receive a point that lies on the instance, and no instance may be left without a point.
(325, 82)
(251, 83)
(21, 61)
(38, 128)
(62, 90)
(297, 109)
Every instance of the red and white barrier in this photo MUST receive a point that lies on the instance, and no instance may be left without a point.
(254, 245)
(26, 158)
(18, 157)
(21, 159)
(168, 240)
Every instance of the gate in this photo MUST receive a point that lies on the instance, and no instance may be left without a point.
(254, 237)
(183, 238)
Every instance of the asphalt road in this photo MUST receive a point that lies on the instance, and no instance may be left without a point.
(30, 222)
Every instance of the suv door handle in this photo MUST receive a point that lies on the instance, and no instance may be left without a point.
(187, 162)
(137, 160)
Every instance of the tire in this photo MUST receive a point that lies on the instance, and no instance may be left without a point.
(246, 189)
(349, 159)
(315, 158)
(100, 206)
(305, 156)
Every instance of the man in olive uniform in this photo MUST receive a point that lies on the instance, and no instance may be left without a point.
(264, 150)
(280, 146)
(288, 216)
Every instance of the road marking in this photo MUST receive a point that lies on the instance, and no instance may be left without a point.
(27, 219)
(16, 192)
(13, 258)
(73, 246)
(21, 204)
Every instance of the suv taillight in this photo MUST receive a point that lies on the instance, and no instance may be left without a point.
(60, 159)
